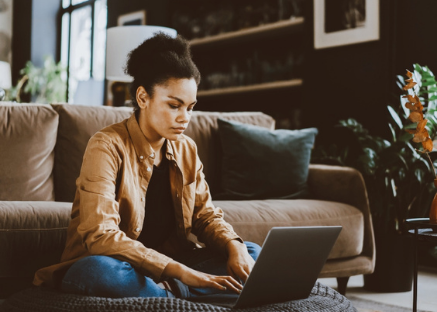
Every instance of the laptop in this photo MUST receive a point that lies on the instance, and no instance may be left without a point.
(287, 267)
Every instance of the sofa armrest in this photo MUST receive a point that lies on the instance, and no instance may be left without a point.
(345, 185)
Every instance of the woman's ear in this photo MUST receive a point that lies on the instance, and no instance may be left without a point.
(142, 97)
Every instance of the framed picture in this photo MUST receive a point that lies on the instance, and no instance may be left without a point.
(342, 22)
(133, 18)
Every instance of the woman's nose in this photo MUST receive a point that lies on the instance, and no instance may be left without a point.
(184, 116)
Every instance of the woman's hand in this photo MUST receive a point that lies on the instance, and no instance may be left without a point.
(240, 263)
(199, 279)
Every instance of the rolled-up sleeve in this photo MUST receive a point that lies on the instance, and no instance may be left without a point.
(99, 212)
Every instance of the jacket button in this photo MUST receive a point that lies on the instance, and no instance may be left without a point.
(148, 169)
(141, 157)
(152, 155)
(142, 198)
(137, 229)
(177, 195)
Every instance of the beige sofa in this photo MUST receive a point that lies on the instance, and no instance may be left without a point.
(41, 148)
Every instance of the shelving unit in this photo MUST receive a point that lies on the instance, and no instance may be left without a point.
(252, 88)
(262, 84)
(277, 28)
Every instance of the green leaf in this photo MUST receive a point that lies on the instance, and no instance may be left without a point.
(393, 132)
(426, 75)
(395, 117)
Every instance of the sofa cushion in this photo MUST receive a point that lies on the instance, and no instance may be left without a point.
(77, 123)
(203, 129)
(32, 235)
(27, 141)
(262, 164)
(253, 219)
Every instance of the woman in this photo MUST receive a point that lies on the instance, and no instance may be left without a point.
(141, 192)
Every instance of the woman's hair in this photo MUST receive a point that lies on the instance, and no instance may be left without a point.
(157, 60)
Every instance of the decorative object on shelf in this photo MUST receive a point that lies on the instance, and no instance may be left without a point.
(345, 22)
(44, 85)
(210, 18)
(133, 18)
(425, 85)
(5, 79)
(251, 66)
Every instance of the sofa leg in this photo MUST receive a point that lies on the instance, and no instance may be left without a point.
(342, 284)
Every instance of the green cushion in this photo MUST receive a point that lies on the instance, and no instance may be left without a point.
(259, 163)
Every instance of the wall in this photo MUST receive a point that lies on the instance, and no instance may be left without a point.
(44, 30)
(34, 33)
(416, 35)
(157, 12)
(351, 81)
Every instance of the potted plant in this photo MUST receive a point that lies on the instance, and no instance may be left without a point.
(398, 176)
(41, 85)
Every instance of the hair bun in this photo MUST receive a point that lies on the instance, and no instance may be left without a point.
(155, 52)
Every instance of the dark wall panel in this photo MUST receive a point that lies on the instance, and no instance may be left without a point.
(416, 35)
(21, 37)
(350, 81)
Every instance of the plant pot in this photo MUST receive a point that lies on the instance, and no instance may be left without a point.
(394, 264)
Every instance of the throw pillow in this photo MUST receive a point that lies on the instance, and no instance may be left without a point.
(259, 163)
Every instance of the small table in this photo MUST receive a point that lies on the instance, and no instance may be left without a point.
(423, 231)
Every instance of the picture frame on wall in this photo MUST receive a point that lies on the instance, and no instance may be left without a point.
(133, 18)
(344, 22)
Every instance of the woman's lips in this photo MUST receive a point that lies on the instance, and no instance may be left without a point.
(179, 130)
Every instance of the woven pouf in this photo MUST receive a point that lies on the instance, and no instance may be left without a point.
(39, 299)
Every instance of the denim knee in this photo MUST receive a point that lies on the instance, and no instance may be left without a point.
(253, 249)
(108, 277)
(96, 274)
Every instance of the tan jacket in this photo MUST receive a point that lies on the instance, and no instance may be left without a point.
(108, 209)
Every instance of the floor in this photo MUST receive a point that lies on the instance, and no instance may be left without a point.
(426, 299)
(427, 292)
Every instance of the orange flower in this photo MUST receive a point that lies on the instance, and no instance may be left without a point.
(427, 145)
(421, 135)
(416, 116)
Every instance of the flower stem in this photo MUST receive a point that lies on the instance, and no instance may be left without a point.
(430, 161)
(433, 169)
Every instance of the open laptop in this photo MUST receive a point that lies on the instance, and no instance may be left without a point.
(287, 268)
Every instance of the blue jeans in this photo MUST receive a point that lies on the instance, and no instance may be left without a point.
(104, 276)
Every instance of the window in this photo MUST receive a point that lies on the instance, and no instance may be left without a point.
(83, 39)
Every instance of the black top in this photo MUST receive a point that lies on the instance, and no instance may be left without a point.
(159, 218)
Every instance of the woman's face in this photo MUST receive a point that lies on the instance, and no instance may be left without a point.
(168, 112)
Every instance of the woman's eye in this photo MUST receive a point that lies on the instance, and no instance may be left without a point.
(190, 109)
(173, 106)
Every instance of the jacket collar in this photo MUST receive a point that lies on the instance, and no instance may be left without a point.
(141, 145)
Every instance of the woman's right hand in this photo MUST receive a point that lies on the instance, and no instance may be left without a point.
(199, 279)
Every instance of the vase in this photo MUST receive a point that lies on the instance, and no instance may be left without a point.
(433, 209)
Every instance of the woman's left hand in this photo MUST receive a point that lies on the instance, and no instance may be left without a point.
(240, 263)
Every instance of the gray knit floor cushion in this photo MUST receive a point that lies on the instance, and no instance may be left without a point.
(322, 299)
